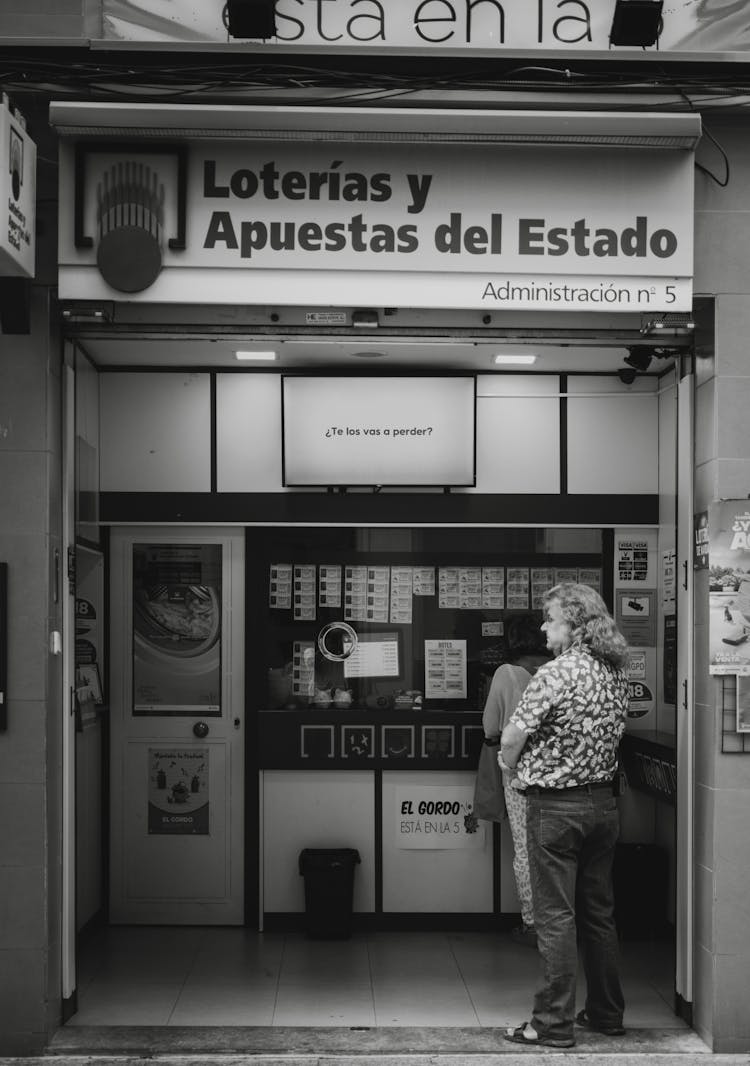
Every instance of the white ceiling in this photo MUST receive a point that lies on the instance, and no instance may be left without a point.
(349, 353)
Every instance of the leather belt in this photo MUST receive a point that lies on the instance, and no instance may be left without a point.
(594, 786)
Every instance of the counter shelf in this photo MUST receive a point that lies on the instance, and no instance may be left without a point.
(315, 739)
(650, 761)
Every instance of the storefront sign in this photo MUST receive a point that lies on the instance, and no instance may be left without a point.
(500, 228)
(729, 587)
(418, 25)
(433, 818)
(176, 629)
(17, 194)
(178, 795)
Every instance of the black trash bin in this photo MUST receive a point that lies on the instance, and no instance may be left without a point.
(329, 891)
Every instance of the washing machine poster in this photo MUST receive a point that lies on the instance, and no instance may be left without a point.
(178, 794)
(437, 818)
(729, 587)
(176, 629)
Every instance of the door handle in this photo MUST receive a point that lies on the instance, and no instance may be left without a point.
(200, 729)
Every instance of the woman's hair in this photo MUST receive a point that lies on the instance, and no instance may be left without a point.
(523, 636)
(590, 622)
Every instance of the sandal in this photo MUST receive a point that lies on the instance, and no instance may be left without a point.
(522, 1035)
(583, 1020)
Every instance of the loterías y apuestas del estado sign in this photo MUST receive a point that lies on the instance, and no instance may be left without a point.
(424, 226)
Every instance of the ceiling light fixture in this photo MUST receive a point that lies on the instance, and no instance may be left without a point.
(261, 357)
(514, 360)
(88, 313)
(671, 323)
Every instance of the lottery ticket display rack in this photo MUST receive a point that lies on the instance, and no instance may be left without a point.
(375, 648)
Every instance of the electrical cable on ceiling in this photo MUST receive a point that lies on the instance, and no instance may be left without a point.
(140, 80)
(722, 184)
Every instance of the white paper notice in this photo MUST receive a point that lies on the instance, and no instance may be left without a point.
(434, 818)
(445, 669)
(373, 657)
(402, 585)
(280, 586)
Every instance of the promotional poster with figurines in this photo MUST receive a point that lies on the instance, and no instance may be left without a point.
(729, 587)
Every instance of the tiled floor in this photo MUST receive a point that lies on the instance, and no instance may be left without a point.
(238, 977)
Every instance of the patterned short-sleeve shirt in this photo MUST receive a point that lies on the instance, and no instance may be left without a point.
(574, 711)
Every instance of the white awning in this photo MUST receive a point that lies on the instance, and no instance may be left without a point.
(377, 124)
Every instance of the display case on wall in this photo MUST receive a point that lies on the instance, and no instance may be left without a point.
(375, 647)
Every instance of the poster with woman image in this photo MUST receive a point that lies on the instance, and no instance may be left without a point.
(729, 587)
(176, 629)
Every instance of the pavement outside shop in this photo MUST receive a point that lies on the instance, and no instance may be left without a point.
(301, 1046)
(359, 1046)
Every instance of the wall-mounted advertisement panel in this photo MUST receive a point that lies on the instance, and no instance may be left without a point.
(729, 587)
(17, 194)
(490, 227)
(432, 25)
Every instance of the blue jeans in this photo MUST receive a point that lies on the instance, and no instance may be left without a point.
(571, 842)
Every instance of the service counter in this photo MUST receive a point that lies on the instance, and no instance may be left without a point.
(650, 761)
(370, 653)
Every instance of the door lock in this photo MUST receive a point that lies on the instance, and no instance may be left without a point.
(200, 729)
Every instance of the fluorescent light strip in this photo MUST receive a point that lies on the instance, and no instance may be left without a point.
(263, 357)
(515, 360)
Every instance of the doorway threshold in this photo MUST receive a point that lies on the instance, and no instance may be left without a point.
(360, 1041)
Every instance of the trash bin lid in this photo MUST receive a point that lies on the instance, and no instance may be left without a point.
(327, 858)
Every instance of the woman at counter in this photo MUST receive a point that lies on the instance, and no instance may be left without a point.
(526, 652)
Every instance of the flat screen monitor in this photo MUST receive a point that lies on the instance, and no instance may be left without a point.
(373, 431)
(376, 655)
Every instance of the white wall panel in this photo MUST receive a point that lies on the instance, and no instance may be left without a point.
(155, 432)
(613, 436)
(453, 881)
(248, 432)
(518, 433)
(315, 809)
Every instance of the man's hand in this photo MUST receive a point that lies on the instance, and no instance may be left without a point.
(512, 744)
